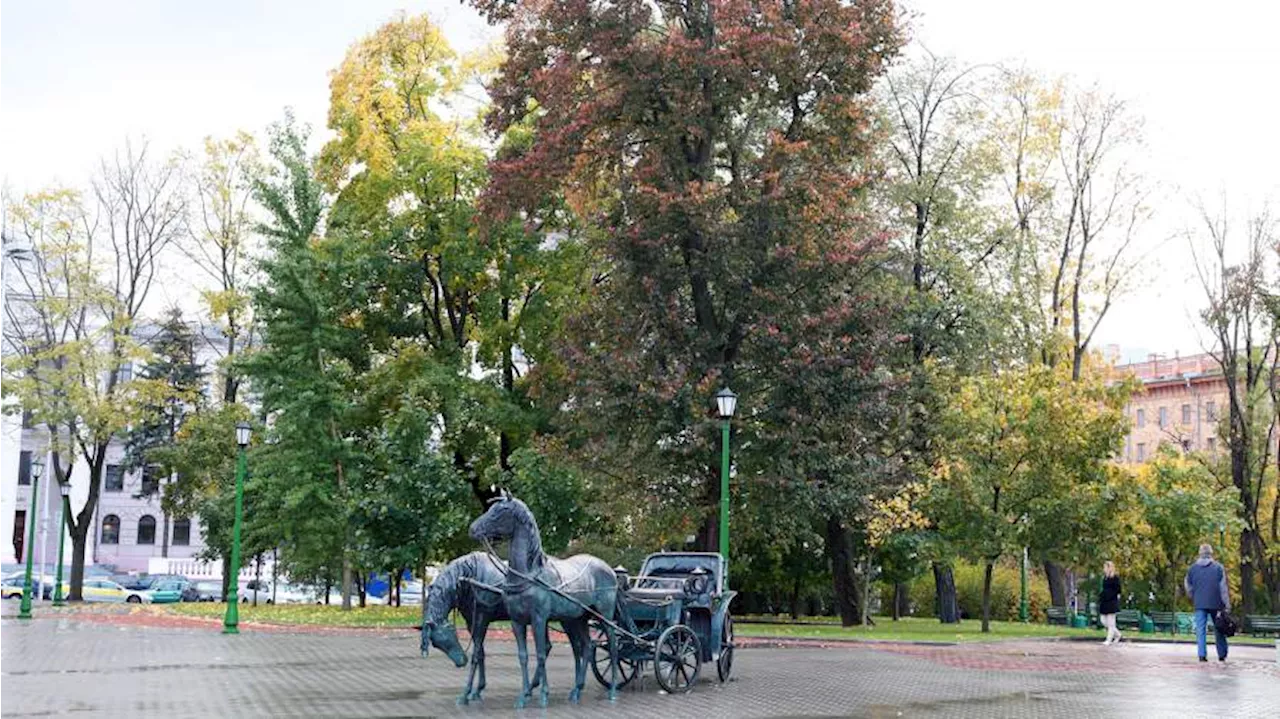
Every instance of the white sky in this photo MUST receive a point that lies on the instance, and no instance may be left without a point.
(77, 77)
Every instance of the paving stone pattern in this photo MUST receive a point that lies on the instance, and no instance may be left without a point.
(66, 665)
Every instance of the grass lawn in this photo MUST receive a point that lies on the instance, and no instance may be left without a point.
(908, 629)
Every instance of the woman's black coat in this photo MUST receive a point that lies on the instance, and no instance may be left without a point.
(1109, 599)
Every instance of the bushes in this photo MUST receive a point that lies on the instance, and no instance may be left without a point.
(1005, 593)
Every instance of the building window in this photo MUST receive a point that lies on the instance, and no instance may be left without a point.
(125, 373)
(1142, 418)
(19, 533)
(24, 468)
(1211, 410)
(114, 481)
(1186, 445)
(1164, 417)
(181, 532)
(110, 529)
(1212, 443)
(147, 529)
(150, 480)
(1186, 414)
(1142, 451)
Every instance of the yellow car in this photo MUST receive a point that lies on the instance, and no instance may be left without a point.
(105, 590)
(11, 587)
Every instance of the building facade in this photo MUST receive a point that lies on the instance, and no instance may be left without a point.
(129, 528)
(1180, 403)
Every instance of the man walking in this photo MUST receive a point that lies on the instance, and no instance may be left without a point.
(1206, 586)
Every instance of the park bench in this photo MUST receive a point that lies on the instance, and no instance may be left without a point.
(1186, 622)
(1129, 619)
(1168, 620)
(1260, 625)
(1056, 615)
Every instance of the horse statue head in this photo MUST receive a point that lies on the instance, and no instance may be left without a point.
(504, 516)
(437, 630)
(509, 518)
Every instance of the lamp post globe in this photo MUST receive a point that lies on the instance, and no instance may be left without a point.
(37, 468)
(726, 403)
(231, 623)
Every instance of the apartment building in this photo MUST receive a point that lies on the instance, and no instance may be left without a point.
(1181, 402)
(130, 528)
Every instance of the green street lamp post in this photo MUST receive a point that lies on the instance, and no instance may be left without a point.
(1024, 608)
(230, 625)
(726, 403)
(37, 468)
(65, 489)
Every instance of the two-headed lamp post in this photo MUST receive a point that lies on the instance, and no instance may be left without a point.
(727, 404)
(230, 625)
(37, 468)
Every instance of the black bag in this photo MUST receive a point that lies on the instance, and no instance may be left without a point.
(1225, 624)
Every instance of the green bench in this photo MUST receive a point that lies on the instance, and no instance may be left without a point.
(1129, 619)
(1168, 620)
(1261, 625)
(1057, 615)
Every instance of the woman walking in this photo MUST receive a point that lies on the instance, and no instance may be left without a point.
(1109, 602)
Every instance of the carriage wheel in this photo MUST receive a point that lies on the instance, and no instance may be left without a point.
(627, 669)
(678, 659)
(724, 664)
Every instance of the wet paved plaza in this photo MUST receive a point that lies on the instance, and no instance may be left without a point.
(98, 666)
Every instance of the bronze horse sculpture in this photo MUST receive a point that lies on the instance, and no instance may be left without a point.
(472, 584)
(539, 588)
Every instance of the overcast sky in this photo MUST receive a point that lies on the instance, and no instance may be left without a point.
(77, 77)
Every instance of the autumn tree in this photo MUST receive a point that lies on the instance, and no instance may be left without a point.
(1241, 322)
(218, 242)
(719, 152)
(1021, 448)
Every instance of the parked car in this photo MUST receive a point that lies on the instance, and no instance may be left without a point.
(411, 594)
(105, 590)
(12, 587)
(165, 592)
(207, 591)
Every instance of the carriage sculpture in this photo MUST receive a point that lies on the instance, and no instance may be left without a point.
(675, 614)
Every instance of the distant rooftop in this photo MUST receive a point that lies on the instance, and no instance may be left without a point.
(1159, 367)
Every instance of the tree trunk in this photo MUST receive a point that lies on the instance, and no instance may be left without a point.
(843, 580)
(1246, 573)
(986, 597)
(795, 598)
(901, 605)
(78, 544)
(1057, 583)
(944, 579)
(508, 386)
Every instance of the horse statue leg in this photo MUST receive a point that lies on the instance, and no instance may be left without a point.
(580, 640)
(613, 656)
(477, 657)
(540, 644)
(522, 653)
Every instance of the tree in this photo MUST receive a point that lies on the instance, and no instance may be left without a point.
(174, 366)
(219, 242)
(718, 154)
(480, 299)
(308, 364)
(1020, 447)
(87, 290)
(1240, 319)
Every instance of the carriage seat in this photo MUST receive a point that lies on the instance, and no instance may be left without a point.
(656, 591)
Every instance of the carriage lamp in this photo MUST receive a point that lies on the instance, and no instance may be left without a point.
(230, 624)
(727, 403)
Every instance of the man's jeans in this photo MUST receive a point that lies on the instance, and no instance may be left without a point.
(1205, 617)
